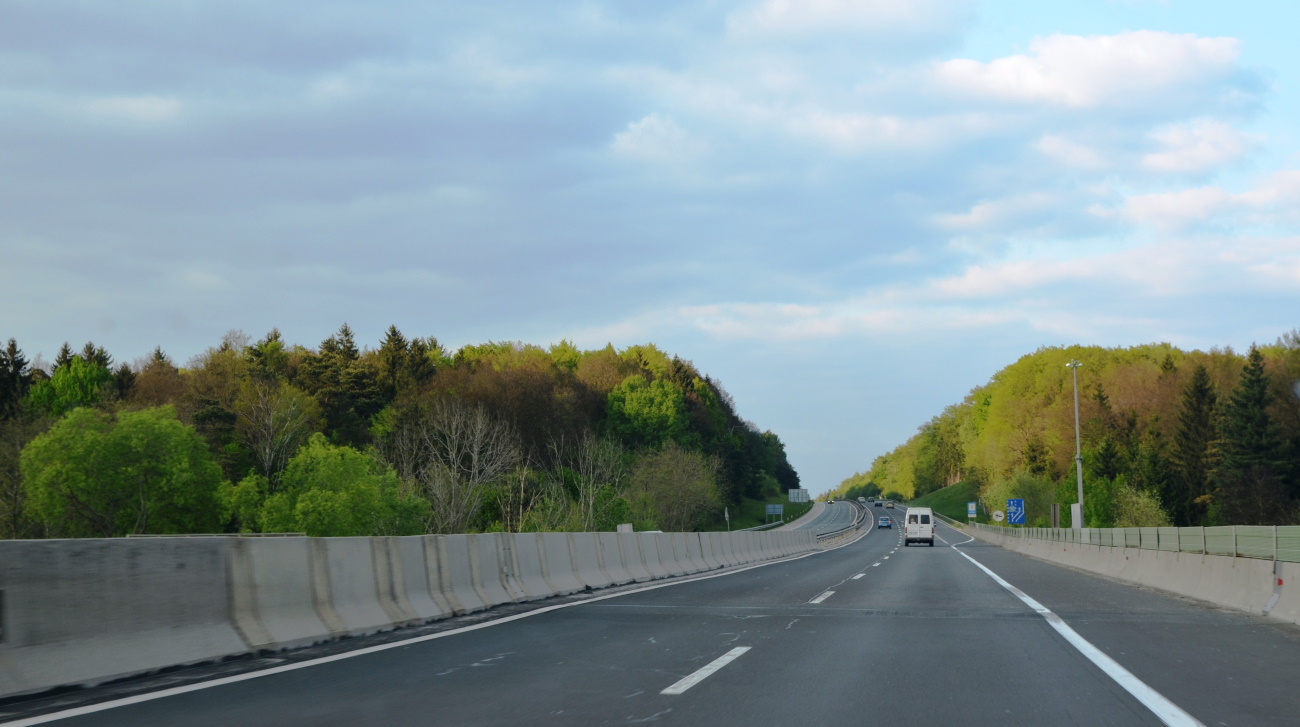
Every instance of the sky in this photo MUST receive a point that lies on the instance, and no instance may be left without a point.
(850, 213)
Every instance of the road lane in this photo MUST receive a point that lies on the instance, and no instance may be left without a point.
(924, 626)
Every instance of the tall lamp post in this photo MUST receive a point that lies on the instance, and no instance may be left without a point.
(1076, 518)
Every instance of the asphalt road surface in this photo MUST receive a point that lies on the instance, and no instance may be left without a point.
(834, 516)
(870, 633)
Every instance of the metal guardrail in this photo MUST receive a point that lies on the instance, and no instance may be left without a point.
(1267, 542)
(857, 522)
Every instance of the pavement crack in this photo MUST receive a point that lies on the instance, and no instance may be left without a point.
(792, 623)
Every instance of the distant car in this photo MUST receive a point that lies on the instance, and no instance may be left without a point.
(885, 522)
(879, 503)
(889, 505)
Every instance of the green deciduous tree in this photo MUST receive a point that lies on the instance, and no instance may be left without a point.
(98, 475)
(676, 489)
(329, 490)
(642, 413)
(74, 384)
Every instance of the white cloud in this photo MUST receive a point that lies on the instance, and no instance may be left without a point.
(1275, 200)
(1090, 71)
(875, 17)
(996, 213)
(135, 108)
(656, 138)
(1070, 153)
(1198, 146)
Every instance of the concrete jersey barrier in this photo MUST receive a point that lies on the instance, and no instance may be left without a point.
(88, 611)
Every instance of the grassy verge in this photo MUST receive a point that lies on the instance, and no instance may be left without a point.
(951, 500)
(751, 512)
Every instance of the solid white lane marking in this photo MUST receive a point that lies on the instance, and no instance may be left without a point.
(823, 597)
(1168, 712)
(858, 576)
(705, 671)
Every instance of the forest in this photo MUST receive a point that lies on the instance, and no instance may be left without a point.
(1169, 437)
(406, 438)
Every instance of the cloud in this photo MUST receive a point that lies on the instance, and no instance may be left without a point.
(656, 138)
(864, 17)
(1084, 72)
(1198, 146)
(1070, 153)
(144, 109)
(1275, 201)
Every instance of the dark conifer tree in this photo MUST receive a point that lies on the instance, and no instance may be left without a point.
(1190, 457)
(1250, 490)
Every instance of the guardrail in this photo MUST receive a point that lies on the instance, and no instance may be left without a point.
(1266, 542)
(857, 522)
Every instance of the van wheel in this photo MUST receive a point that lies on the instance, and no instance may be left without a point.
(932, 543)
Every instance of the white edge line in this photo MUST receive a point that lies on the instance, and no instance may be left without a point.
(175, 691)
(705, 671)
(1168, 712)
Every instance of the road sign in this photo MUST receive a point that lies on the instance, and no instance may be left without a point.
(775, 510)
(1016, 512)
(970, 510)
(997, 515)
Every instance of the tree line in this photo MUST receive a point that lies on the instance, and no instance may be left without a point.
(405, 438)
(1169, 437)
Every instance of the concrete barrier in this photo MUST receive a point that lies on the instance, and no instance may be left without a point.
(458, 583)
(687, 547)
(87, 611)
(350, 584)
(415, 579)
(558, 563)
(587, 564)
(530, 571)
(610, 549)
(271, 601)
(1245, 584)
(668, 557)
(634, 557)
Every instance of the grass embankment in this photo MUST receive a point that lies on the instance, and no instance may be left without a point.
(951, 501)
(751, 512)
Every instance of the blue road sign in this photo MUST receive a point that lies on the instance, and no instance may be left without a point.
(970, 510)
(776, 509)
(1015, 512)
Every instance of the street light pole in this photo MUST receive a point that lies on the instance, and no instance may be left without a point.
(1077, 519)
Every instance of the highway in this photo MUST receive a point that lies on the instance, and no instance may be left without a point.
(869, 633)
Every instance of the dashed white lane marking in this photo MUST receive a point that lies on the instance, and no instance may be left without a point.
(823, 597)
(1168, 712)
(705, 671)
(875, 565)
(885, 558)
(858, 576)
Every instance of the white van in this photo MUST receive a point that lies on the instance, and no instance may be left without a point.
(918, 526)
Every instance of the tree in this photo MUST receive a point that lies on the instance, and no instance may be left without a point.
(346, 389)
(329, 490)
(452, 451)
(96, 475)
(598, 472)
(273, 420)
(1250, 490)
(14, 379)
(1191, 454)
(675, 488)
(642, 413)
(63, 358)
(73, 385)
